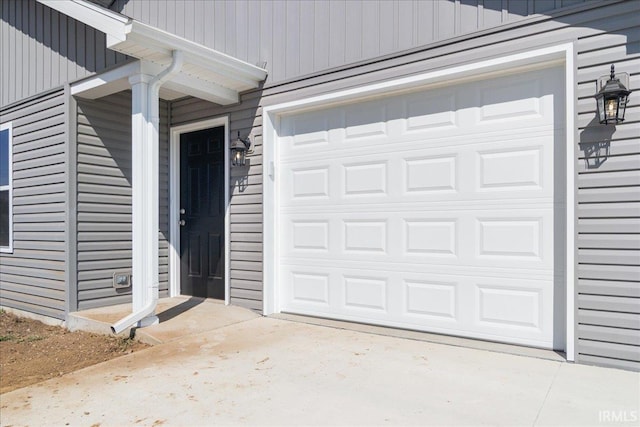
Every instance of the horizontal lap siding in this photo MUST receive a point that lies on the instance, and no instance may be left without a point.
(246, 195)
(608, 289)
(104, 199)
(608, 300)
(32, 278)
(608, 198)
(42, 49)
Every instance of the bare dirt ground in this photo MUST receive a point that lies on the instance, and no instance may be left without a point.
(31, 351)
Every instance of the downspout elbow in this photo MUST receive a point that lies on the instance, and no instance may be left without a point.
(136, 317)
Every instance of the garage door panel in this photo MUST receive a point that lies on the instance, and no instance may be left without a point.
(431, 173)
(512, 169)
(314, 262)
(365, 178)
(432, 299)
(310, 288)
(511, 99)
(481, 307)
(473, 172)
(431, 112)
(431, 210)
(365, 292)
(522, 102)
(523, 310)
(410, 143)
(474, 238)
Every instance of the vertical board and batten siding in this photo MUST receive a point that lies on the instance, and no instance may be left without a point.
(245, 192)
(43, 49)
(104, 199)
(299, 37)
(32, 278)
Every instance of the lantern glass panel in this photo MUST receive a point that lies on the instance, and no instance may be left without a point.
(611, 111)
(600, 101)
(238, 157)
(622, 106)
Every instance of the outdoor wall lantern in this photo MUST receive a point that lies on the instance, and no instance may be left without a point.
(611, 99)
(239, 149)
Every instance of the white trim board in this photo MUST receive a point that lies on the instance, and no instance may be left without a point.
(559, 54)
(174, 203)
(8, 126)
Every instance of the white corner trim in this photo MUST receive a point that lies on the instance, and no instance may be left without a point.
(174, 202)
(8, 126)
(561, 53)
(571, 111)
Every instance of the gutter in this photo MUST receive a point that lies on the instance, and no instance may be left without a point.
(153, 101)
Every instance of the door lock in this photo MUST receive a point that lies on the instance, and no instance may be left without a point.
(182, 222)
(182, 211)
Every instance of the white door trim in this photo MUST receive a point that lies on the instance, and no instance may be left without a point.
(174, 202)
(523, 61)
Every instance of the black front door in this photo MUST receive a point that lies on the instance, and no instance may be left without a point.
(202, 213)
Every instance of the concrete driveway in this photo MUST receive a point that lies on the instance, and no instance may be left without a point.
(266, 371)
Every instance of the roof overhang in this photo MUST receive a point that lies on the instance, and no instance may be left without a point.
(206, 73)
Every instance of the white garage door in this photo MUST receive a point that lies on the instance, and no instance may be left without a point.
(430, 210)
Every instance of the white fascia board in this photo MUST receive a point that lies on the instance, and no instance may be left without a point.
(111, 23)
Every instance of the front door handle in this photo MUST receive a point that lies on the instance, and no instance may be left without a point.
(182, 222)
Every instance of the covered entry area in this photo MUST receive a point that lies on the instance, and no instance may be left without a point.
(167, 67)
(438, 207)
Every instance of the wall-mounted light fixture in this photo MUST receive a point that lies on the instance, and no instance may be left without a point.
(611, 99)
(239, 149)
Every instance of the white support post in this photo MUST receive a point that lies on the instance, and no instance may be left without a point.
(144, 165)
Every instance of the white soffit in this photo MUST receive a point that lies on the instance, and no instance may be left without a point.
(206, 73)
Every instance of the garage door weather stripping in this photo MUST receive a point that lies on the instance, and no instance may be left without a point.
(463, 232)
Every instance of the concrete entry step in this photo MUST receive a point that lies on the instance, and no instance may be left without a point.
(179, 316)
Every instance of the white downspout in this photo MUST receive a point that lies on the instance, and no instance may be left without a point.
(150, 291)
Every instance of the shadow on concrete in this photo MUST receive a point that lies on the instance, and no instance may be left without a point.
(179, 309)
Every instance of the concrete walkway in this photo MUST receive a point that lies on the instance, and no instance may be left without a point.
(266, 371)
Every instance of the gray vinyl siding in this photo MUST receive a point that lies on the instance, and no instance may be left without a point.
(104, 199)
(246, 199)
(43, 49)
(608, 210)
(310, 48)
(32, 278)
(608, 272)
(300, 37)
